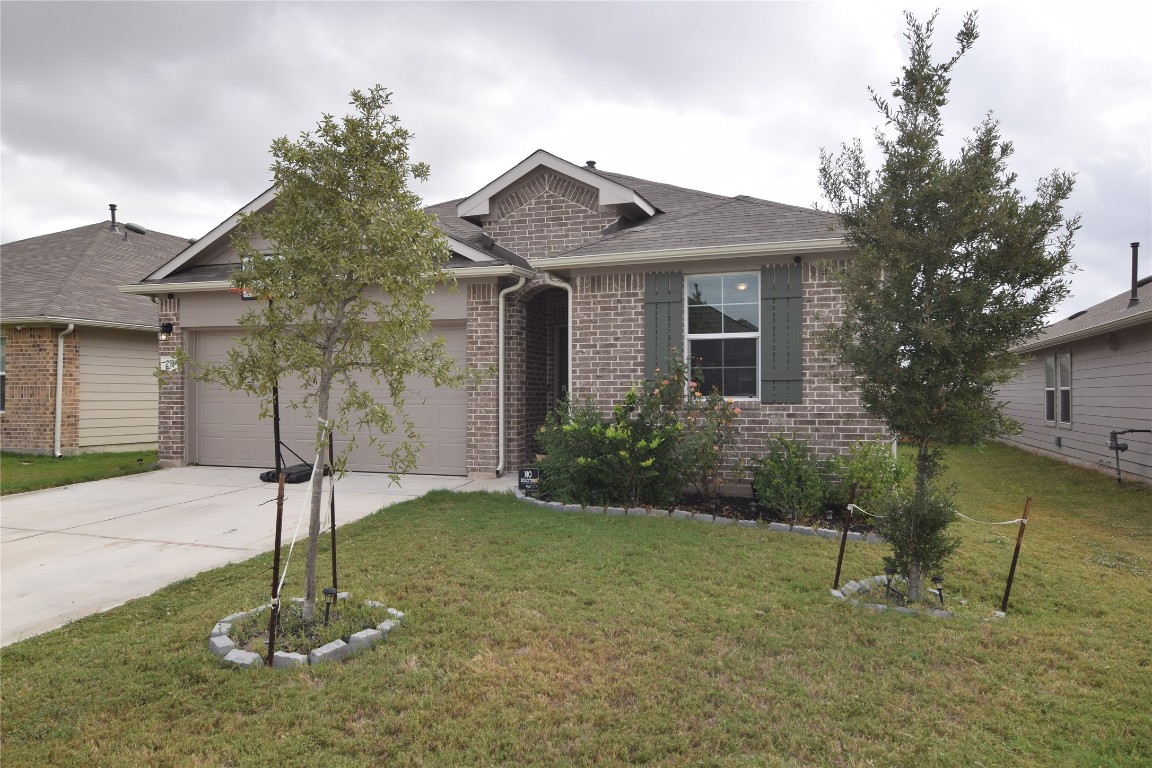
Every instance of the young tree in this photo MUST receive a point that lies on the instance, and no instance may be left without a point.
(349, 260)
(954, 267)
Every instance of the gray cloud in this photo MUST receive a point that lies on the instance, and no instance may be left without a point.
(168, 109)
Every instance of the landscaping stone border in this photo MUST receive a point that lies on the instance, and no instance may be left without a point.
(221, 645)
(863, 587)
(681, 514)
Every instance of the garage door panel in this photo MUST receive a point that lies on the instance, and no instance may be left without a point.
(227, 430)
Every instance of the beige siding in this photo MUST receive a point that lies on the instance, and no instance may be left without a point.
(1111, 391)
(118, 392)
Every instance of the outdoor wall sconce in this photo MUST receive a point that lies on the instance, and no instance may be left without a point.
(166, 331)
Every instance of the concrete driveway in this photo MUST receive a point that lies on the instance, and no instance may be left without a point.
(72, 551)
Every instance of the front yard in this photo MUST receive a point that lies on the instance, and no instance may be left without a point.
(20, 472)
(543, 638)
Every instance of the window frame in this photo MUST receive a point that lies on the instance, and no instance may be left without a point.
(1063, 362)
(753, 278)
(1050, 391)
(3, 371)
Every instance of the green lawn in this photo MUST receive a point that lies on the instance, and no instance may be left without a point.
(561, 639)
(21, 472)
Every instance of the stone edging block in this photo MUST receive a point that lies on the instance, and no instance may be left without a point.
(862, 588)
(220, 644)
(680, 514)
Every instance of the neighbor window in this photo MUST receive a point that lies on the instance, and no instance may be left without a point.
(1058, 388)
(1049, 389)
(3, 368)
(1064, 383)
(723, 327)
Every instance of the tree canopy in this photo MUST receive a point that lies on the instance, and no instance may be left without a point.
(343, 262)
(954, 267)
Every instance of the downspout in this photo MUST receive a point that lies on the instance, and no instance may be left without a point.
(553, 280)
(500, 375)
(60, 385)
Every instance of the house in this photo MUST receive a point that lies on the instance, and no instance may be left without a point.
(1085, 377)
(571, 280)
(77, 355)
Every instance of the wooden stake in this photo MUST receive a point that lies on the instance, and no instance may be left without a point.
(273, 619)
(1015, 555)
(844, 536)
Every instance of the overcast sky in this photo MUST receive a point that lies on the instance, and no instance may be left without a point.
(167, 109)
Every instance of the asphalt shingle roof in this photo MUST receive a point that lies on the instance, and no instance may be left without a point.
(74, 274)
(1104, 313)
(685, 218)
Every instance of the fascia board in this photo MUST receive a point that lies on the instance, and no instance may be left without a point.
(611, 193)
(503, 271)
(467, 251)
(77, 321)
(791, 247)
(1120, 323)
(154, 289)
(212, 237)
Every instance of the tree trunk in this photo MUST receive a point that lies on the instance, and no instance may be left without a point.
(314, 519)
(923, 475)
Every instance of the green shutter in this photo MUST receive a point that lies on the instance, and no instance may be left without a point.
(663, 319)
(781, 347)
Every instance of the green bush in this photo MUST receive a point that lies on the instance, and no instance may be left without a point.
(874, 471)
(662, 436)
(916, 526)
(792, 480)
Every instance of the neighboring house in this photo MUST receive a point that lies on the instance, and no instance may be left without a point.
(77, 355)
(1085, 377)
(595, 278)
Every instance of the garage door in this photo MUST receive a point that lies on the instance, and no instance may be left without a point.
(227, 429)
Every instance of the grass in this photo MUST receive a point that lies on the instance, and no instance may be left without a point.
(20, 472)
(543, 638)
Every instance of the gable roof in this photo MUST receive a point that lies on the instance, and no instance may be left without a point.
(72, 276)
(1111, 315)
(610, 193)
(658, 222)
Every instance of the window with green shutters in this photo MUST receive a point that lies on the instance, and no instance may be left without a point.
(740, 330)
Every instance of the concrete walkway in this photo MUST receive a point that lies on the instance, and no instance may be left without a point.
(73, 551)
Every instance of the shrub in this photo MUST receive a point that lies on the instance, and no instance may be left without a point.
(709, 434)
(663, 435)
(873, 469)
(792, 480)
(916, 526)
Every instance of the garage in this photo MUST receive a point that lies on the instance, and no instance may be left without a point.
(226, 428)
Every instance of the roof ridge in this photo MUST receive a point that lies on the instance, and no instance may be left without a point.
(53, 306)
(664, 184)
(648, 223)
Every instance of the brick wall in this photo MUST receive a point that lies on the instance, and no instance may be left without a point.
(607, 336)
(28, 423)
(608, 358)
(546, 214)
(173, 426)
(481, 356)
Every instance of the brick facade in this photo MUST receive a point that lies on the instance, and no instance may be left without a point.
(481, 356)
(172, 416)
(28, 423)
(545, 214)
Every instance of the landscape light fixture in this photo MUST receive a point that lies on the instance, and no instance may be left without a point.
(329, 600)
(938, 582)
(166, 331)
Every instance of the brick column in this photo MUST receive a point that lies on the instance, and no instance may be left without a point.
(481, 355)
(173, 427)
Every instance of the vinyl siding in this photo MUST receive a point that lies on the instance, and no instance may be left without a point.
(118, 393)
(1111, 390)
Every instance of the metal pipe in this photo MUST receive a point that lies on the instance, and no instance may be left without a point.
(60, 386)
(1134, 298)
(332, 503)
(500, 374)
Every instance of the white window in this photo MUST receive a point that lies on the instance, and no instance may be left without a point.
(1064, 383)
(723, 337)
(3, 368)
(1058, 389)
